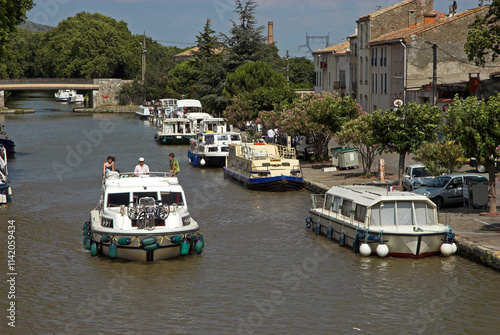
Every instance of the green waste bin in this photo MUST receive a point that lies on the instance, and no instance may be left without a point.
(344, 158)
(476, 192)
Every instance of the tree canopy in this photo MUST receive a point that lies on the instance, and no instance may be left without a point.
(475, 124)
(89, 46)
(12, 13)
(483, 37)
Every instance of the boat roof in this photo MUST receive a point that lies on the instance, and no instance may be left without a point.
(198, 116)
(188, 103)
(371, 195)
(126, 182)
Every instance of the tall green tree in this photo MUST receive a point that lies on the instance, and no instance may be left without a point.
(475, 124)
(301, 72)
(404, 130)
(251, 76)
(19, 57)
(89, 46)
(483, 37)
(212, 78)
(246, 41)
(12, 13)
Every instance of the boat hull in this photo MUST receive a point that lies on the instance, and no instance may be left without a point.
(271, 184)
(9, 146)
(173, 140)
(142, 116)
(414, 245)
(137, 252)
(210, 161)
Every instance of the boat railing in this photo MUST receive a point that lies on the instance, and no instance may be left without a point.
(285, 151)
(117, 175)
(317, 201)
(296, 171)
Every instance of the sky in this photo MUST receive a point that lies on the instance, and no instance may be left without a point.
(177, 22)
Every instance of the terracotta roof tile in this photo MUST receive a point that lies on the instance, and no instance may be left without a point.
(337, 48)
(386, 9)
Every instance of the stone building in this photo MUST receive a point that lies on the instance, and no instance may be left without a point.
(408, 72)
(331, 69)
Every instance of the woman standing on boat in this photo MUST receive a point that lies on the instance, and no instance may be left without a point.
(109, 165)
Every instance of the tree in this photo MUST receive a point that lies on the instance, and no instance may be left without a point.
(475, 124)
(301, 72)
(483, 37)
(182, 80)
(208, 44)
(251, 76)
(441, 158)
(89, 46)
(246, 42)
(12, 13)
(406, 129)
(359, 133)
(19, 56)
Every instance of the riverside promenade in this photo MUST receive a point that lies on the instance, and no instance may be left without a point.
(477, 236)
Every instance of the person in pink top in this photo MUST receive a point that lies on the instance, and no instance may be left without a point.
(141, 168)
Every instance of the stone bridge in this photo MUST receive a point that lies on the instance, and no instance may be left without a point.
(100, 92)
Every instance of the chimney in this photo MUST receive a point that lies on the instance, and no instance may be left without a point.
(473, 84)
(429, 18)
(270, 32)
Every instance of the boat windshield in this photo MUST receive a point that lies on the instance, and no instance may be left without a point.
(169, 198)
(439, 182)
(118, 199)
(402, 213)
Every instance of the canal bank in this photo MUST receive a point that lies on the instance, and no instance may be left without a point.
(477, 236)
(107, 109)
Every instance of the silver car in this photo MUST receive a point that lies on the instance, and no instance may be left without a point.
(415, 176)
(447, 189)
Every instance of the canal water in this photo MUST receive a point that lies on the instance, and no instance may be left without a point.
(261, 271)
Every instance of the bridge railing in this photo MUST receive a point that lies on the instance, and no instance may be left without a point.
(47, 81)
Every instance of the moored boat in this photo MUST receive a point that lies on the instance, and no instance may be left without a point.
(142, 218)
(76, 99)
(372, 220)
(64, 95)
(7, 143)
(144, 112)
(265, 167)
(5, 190)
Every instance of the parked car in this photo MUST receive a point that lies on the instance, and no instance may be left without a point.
(415, 176)
(447, 189)
(304, 147)
(480, 168)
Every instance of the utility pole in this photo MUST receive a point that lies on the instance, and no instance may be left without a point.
(143, 53)
(434, 75)
(287, 69)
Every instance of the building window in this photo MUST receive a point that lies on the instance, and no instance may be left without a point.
(381, 56)
(381, 84)
(376, 84)
(355, 49)
(366, 70)
(385, 58)
(375, 59)
(373, 51)
(361, 70)
(373, 86)
(329, 75)
(385, 83)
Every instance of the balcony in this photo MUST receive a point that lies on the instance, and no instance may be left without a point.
(338, 85)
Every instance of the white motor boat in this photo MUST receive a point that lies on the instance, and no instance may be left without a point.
(64, 95)
(76, 99)
(142, 218)
(373, 220)
(145, 112)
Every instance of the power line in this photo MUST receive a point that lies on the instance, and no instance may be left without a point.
(466, 62)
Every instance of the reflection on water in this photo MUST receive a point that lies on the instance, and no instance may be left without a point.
(261, 272)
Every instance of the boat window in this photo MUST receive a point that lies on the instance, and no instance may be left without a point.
(405, 215)
(222, 137)
(169, 198)
(235, 138)
(346, 207)
(224, 149)
(118, 199)
(360, 213)
(209, 139)
(285, 164)
(375, 215)
(336, 204)
(329, 202)
(138, 195)
(266, 164)
(387, 213)
(424, 214)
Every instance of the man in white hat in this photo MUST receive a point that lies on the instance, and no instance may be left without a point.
(141, 168)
